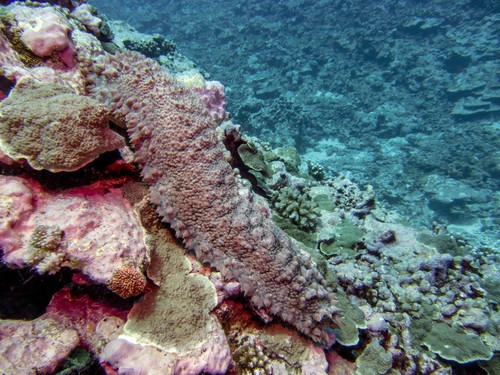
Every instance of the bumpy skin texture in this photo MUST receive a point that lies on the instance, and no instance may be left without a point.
(198, 194)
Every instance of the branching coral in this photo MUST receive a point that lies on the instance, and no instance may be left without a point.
(296, 206)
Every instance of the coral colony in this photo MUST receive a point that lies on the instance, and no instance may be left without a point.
(182, 246)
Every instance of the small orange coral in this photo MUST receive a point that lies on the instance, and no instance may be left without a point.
(127, 281)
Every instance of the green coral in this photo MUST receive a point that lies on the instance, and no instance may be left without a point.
(456, 344)
(152, 47)
(445, 243)
(346, 333)
(308, 239)
(350, 318)
(80, 361)
(297, 206)
(316, 171)
(325, 202)
(374, 360)
(46, 238)
(345, 241)
(491, 367)
(251, 359)
(253, 158)
(289, 156)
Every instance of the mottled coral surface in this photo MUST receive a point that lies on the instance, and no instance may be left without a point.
(53, 128)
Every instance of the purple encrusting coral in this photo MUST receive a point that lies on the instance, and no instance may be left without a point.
(203, 199)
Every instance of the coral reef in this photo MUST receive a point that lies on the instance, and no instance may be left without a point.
(89, 238)
(408, 89)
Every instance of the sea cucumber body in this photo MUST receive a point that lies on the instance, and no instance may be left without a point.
(198, 194)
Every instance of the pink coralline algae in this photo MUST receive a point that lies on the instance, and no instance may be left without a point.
(203, 199)
(34, 347)
(87, 228)
(71, 320)
(45, 31)
(214, 98)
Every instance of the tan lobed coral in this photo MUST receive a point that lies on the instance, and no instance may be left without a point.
(170, 330)
(53, 128)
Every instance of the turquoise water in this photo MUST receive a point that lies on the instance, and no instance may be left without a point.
(367, 131)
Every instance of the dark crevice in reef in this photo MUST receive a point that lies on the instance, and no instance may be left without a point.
(25, 294)
(107, 166)
(232, 144)
(5, 85)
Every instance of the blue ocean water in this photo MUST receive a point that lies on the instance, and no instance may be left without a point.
(402, 95)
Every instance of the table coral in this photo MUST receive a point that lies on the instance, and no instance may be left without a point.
(203, 200)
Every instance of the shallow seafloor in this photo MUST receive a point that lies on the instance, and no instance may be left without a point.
(406, 103)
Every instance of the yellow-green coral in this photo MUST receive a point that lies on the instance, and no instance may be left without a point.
(44, 249)
(345, 241)
(251, 359)
(252, 157)
(374, 360)
(13, 35)
(298, 207)
(46, 237)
